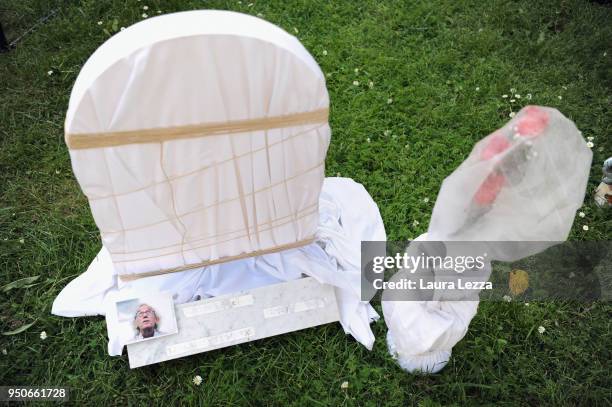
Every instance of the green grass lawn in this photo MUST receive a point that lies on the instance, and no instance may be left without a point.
(431, 78)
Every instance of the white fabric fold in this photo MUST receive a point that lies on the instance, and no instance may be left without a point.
(347, 216)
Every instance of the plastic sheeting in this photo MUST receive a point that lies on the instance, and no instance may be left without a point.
(347, 215)
(199, 137)
(522, 183)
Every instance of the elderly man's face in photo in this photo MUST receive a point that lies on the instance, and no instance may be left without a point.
(146, 320)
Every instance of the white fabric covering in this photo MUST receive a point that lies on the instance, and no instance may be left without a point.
(347, 215)
(524, 182)
(182, 202)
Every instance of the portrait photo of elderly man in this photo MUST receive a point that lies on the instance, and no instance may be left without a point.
(146, 322)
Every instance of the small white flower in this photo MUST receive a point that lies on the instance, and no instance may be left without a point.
(585, 227)
(295, 30)
(581, 214)
(425, 199)
(541, 329)
(590, 144)
(50, 73)
(415, 223)
(250, 5)
(122, 28)
(605, 53)
(477, 88)
(324, 52)
(57, 171)
(564, 87)
(529, 96)
(43, 335)
(22, 241)
(99, 22)
(517, 96)
(344, 385)
(4, 352)
(504, 96)
(356, 83)
(145, 15)
(507, 298)
(512, 90)
(370, 84)
(526, 304)
(356, 70)
(407, 146)
(197, 380)
(387, 133)
(590, 138)
(368, 139)
(259, 15)
(145, 8)
(511, 114)
(389, 101)
(572, 275)
(559, 97)
(158, 11)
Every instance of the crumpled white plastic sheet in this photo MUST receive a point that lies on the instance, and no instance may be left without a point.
(347, 215)
(523, 183)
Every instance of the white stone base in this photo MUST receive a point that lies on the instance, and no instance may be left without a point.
(240, 317)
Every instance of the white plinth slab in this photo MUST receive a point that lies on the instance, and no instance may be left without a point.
(240, 317)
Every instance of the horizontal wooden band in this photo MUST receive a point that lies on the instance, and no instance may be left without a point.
(80, 141)
(276, 249)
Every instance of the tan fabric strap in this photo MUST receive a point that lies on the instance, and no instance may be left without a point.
(111, 139)
(136, 276)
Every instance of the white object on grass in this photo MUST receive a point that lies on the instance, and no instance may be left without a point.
(524, 184)
(199, 139)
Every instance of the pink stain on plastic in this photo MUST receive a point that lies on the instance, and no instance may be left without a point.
(532, 122)
(496, 145)
(490, 188)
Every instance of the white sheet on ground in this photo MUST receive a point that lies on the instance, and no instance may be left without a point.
(347, 215)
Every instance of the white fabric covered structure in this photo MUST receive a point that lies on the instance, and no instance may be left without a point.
(522, 183)
(199, 137)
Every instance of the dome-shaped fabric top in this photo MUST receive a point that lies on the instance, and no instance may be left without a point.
(199, 137)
